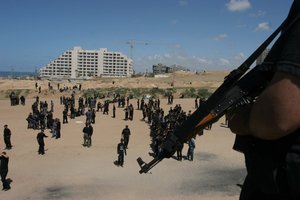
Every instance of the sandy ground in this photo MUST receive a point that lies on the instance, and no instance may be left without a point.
(70, 171)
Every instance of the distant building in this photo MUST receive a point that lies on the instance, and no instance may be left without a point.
(80, 63)
(262, 57)
(178, 68)
(163, 69)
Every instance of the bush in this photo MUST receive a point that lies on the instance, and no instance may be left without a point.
(92, 93)
(121, 91)
(155, 92)
(204, 93)
(188, 93)
(192, 90)
(169, 91)
(136, 92)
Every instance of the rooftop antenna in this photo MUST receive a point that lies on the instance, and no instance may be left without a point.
(35, 73)
(12, 72)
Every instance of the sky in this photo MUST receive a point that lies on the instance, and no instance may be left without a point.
(197, 34)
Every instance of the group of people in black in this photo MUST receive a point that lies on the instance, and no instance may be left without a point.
(69, 107)
(161, 125)
(41, 118)
(147, 109)
(66, 88)
(16, 100)
(129, 110)
(59, 88)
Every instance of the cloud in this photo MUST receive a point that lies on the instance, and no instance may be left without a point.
(224, 62)
(221, 37)
(238, 5)
(193, 63)
(201, 60)
(259, 13)
(167, 55)
(157, 57)
(183, 2)
(264, 26)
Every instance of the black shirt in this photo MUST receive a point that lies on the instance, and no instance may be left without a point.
(6, 132)
(126, 132)
(3, 163)
(40, 136)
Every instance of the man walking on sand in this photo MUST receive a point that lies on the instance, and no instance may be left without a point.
(125, 135)
(6, 137)
(90, 133)
(121, 149)
(40, 139)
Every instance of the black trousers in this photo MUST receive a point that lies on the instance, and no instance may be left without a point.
(5, 183)
(126, 141)
(121, 159)
(7, 142)
(41, 148)
(179, 154)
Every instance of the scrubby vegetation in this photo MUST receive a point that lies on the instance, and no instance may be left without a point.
(109, 92)
(193, 93)
(154, 92)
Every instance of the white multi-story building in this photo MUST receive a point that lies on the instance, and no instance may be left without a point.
(80, 63)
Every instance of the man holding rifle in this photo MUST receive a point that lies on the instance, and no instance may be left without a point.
(262, 108)
(268, 130)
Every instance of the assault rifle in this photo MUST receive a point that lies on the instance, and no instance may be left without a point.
(240, 87)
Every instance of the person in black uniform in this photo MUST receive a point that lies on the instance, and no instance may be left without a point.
(114, 111)
(22, 99)
(6, 137)
(121, 149)
(268, 130)
(4, 159)
(179, 153)
(125, 135)
(58, 128)
(40, 139)
(85, 131)
(65, 116)
(93, 116)
(90, 133)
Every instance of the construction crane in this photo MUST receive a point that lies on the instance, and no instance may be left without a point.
(132, 43)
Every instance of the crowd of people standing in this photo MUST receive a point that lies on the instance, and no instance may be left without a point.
(42, 118)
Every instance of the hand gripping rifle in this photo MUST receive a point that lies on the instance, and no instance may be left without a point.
(238, 88)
